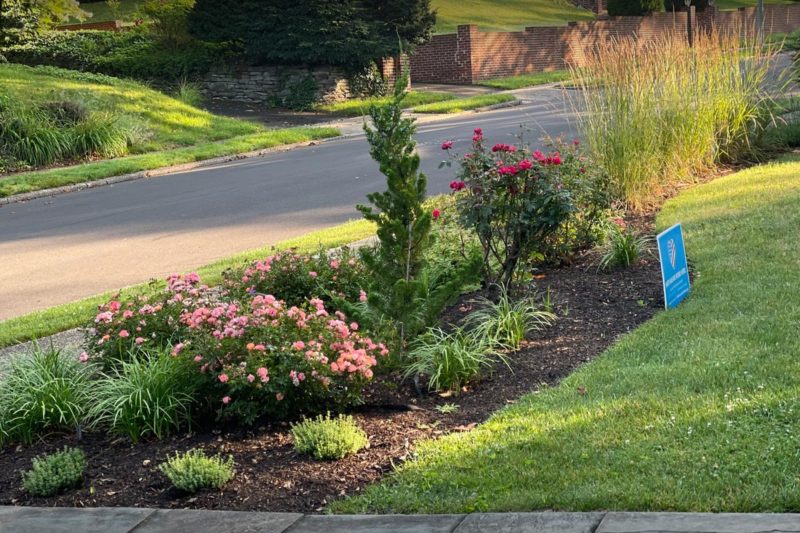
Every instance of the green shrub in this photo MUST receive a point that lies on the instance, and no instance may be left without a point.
(507, 323)
(623, 247)
(167, 21)
(55, 473)
(129, 54)
(329, 438)
(450, 360)
(149, 394)
(193, 471)
(43, 391)
(633, 8)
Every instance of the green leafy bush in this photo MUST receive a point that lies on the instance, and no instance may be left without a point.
(130, 54)
(194, 471)
(450, 360)
(43, 391)
(148, 394)
(55, 473)
(329, 438)
(506, 323)
(167, 21)
(633, 8)
(623, 247)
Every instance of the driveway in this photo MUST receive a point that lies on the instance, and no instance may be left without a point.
(59, 249)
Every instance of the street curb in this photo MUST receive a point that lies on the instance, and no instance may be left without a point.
(156, 172)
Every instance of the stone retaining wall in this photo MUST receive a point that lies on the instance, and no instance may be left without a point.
(268, 84)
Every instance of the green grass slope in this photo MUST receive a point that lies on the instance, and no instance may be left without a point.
(165, 122)
(697, 410)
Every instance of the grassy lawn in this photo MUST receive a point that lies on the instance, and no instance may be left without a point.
(697, 410)
(71, 315)
(165, 122)
(527, 80)
(359, 106)
(509, 15)
(465, 104)
(170, 131)
(735, 4)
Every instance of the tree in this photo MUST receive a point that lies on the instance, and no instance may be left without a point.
(22, 19)
(348, 33)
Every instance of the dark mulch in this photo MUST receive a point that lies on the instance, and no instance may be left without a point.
(594, 309)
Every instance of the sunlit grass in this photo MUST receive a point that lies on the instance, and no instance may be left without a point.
(63, 317)
(508, 15)
(697, 410)
(168, 122)
(527, 80)
(360, 106)
(465, 104)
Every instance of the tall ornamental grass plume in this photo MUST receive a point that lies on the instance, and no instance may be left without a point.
(659, 111)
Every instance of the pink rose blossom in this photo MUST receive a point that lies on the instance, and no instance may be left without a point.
(124, 334)
(223, 378)
(139, 340)
(83, 357)
(226, 400)
(313, 274)
(447, 145)
(362, 296)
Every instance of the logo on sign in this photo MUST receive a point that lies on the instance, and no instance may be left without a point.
(673, 252)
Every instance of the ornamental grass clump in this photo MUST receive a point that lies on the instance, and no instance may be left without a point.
(43, 392)
(623, 248)
(55, 473)
(506, 323)
(194, 471)
(659, 111)
(451, 360)
(326, 438)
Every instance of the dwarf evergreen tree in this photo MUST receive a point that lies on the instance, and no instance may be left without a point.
(403, 290)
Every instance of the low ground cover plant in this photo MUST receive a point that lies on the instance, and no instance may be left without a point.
(194, 471)
(55, 473)
(327, 438)
(43, 392)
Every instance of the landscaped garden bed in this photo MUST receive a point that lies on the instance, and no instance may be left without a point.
(594, 308)
(462, 345)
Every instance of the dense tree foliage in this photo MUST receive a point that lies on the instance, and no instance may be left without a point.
(335, 32)
(633, 8)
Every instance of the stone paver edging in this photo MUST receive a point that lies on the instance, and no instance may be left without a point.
(131, 520)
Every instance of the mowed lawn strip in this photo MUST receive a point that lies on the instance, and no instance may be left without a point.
(63, 317)
(527, 80)
(697, 410)
(360, 106)
(465, 104)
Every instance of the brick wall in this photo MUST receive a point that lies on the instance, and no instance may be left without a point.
(470, 56)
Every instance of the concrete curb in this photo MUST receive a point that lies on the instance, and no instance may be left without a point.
(127, 520)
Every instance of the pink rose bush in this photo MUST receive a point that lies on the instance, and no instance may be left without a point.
(258, 356)
(294, 277)
(280, 360)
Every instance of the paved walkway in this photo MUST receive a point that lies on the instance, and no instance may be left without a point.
(124, 520)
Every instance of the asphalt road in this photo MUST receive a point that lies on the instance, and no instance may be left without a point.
(56, 250)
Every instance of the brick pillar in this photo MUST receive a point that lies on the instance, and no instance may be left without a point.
(465, 56)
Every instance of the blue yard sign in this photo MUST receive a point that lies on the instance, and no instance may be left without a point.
(674, 269)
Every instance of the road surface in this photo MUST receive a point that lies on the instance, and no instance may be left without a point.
(60, 249)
